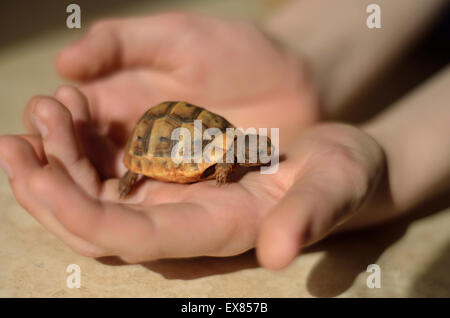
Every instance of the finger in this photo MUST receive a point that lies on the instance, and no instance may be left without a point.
(112, 227)
(69, 96)
(21, 164)
(101, 152)
(26, 118)
(61, 145)
(184, 228)
(36, 143)
(115, 43)
(75, 101)
(162, 231)
(309, 211)
(188, 230)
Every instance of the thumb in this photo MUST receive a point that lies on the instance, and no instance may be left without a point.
(115, 43)
(310, 210)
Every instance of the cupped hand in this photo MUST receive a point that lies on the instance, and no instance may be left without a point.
(328, 172)
(124, 66)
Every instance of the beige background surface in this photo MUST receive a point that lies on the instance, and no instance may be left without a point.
(413, 253)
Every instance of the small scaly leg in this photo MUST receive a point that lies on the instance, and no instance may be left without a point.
(221, 172)
(126, 183)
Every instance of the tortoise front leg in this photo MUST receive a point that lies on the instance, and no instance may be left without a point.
(221, 172)
(126, 183)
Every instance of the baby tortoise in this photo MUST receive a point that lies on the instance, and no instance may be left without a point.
(150, 145)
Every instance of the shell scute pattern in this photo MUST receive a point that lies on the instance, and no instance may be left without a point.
(150, 145)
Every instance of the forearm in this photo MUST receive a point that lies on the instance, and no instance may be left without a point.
(415, 135)
(342, 54)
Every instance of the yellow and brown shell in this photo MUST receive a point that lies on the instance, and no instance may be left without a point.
(149, 148)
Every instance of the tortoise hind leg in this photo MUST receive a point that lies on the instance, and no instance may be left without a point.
(222, 171)
(126, 183)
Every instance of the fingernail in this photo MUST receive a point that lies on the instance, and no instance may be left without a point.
(39, 124)
(6, 168)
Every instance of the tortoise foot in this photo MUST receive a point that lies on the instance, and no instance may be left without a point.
(126, 184)
(221, 173)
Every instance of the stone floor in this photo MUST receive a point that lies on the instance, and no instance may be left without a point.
(413, 253)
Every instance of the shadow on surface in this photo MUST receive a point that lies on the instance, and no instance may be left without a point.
(435, 280)
(347, 255)
(193, 268)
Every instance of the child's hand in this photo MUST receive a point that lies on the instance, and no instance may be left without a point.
(328, 172)
(230, 67)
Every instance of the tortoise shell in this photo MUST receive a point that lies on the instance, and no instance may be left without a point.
(150, 145)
